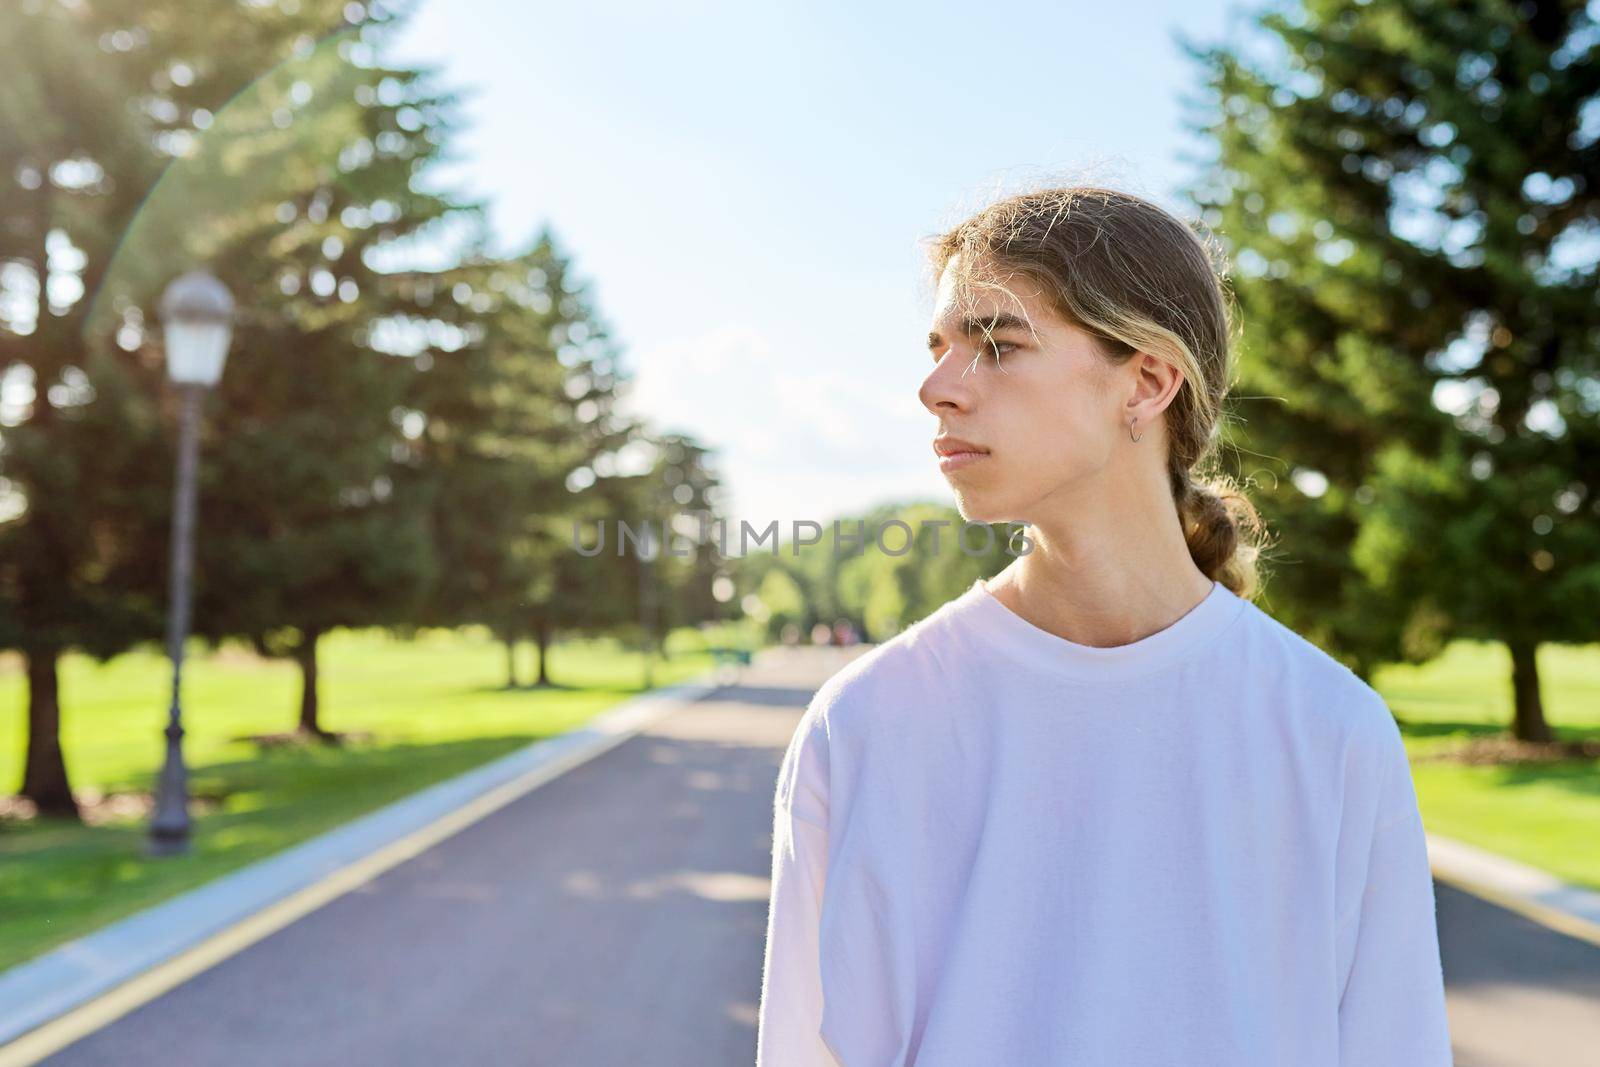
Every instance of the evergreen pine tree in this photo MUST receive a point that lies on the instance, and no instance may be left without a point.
(96, 103)
(502, 422)
(1410, 192)
(581, 594)
(306, 527)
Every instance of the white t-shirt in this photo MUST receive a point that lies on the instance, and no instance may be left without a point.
(994, 847)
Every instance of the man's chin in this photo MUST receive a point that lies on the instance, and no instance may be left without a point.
(977, 507)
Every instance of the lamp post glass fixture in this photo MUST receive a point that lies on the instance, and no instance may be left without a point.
(197, 322)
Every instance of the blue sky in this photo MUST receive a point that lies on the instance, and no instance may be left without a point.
(745, 186)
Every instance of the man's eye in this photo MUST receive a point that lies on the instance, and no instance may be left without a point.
(995, 349)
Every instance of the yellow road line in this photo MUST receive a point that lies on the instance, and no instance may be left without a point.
(1552, 918)
(85, 1019)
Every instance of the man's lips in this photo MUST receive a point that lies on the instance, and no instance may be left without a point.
(955, 453)
(956, 446)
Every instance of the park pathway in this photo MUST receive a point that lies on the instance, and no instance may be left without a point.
(617, 914)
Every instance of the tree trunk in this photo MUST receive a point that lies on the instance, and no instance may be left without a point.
(1528, 723)
(44, 777)
(541, 635)
(511, 663)
(306, 656)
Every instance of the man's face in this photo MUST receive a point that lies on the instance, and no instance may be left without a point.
(1046, 411)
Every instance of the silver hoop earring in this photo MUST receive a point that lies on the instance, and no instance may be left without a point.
(1130, 431)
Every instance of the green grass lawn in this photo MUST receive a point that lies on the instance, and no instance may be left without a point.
(1544, 814)
(434, 706)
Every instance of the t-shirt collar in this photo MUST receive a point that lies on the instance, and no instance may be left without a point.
(1204, 621)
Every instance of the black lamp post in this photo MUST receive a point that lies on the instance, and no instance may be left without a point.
(197, 319)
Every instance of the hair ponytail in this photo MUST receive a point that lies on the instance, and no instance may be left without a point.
(1223, 529)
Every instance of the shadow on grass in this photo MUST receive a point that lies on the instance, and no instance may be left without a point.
(531, 687)
(1500, 764)
(1429, 730)
(1578, 777)
(308, 738)
(559, 687)
(1423, 730)
(60, 879)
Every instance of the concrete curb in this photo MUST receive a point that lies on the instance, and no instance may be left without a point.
(1532, 893)
(43, 989)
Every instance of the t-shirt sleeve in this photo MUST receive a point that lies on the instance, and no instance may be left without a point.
(789, 1019)
(1392, 1010)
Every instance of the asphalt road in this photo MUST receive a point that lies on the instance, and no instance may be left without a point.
(616, 915)
(1519, 994)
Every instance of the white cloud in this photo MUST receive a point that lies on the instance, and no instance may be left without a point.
(798, 436)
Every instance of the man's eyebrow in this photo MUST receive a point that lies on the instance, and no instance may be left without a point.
(972, 325)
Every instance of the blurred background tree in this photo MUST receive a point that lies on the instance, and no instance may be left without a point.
(653, 552)
(881, 571)
(572, 592)
(318, 175)
(498, 428)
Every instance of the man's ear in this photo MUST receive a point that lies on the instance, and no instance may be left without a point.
(1156, 385)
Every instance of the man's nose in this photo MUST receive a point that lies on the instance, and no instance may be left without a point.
(948, 386)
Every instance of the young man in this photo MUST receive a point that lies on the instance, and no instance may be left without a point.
(1100, 809)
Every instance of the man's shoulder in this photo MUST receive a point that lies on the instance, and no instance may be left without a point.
(1331, 687)
(894, 673)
